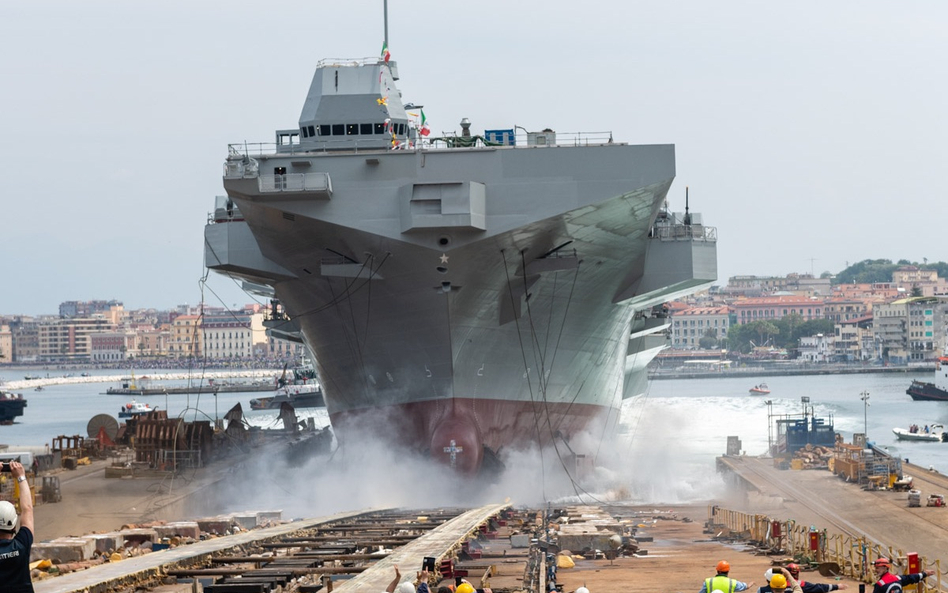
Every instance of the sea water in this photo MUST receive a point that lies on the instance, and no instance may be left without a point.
(678, 424)
(66, 410)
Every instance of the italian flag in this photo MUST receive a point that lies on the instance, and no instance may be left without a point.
(424, 130)
(385, 53)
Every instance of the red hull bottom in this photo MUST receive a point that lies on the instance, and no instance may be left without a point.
(457, 431)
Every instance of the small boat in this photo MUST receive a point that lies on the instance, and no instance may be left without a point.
(760, 389)
(11, 406)
(937, 391)
(134, 409)
(933, 433)
(38, 388)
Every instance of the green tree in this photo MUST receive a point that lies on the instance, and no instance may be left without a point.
(764, 331)
(709, 339)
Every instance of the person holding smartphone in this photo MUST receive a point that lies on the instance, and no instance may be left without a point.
(16, 536)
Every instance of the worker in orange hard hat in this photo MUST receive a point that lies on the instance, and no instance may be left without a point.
(892, 583)
(722, 582)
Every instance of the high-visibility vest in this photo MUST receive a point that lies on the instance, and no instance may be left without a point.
(720, 583)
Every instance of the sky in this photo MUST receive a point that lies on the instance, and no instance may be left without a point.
(811, 134)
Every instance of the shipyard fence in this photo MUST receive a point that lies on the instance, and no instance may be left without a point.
(811, 546)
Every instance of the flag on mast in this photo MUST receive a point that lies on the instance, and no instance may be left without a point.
(386, 55)
(424, 130)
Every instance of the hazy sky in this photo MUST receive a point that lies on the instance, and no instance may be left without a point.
(811, 134)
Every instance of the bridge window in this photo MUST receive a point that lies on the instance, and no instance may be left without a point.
(365, 129)
(324, 129)
(338, 129)
(352, 129)
(379, 128)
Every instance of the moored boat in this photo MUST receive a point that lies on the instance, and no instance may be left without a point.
(936, 391)
(299, 388)
(469, 294)
(11, 406)
(933, 433)
(134, 409)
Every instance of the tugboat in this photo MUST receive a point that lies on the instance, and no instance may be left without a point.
(937, 391)
(11, 406)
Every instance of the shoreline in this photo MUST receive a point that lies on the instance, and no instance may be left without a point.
(663, 374)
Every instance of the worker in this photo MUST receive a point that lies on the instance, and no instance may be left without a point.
(16, 536)
(794, 570)
(782, 581)
(721, 582)
(886, 582)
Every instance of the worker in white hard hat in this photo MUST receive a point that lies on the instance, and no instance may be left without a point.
(16, 535)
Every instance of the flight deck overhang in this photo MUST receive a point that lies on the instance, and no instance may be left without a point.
(679, 260)
(230, 248)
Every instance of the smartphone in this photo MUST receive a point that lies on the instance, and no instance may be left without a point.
(428, 564)
(5, 468)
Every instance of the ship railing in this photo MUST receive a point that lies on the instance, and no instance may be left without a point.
(331, 62)
(685, 232)
(447, 141)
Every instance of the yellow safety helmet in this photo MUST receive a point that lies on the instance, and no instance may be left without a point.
(465, 588)
(778, 581)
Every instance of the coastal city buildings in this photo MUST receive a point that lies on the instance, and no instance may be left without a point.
(104, 332)
(900, 322)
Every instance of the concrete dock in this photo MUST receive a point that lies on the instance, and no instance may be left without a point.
(818, 497)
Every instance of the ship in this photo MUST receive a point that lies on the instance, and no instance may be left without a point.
(11, 406)
(465, 294)
(300, 389)
(936, 391)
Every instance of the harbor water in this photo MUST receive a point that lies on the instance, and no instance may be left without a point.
(65, 410)
(671, 434)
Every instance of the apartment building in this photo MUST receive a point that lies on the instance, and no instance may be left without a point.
(229, 334)
(69, 340)
(911, 329)
(689, 325)
(185, 337)
(749, 310)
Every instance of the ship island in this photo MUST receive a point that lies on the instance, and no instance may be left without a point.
(463, 295)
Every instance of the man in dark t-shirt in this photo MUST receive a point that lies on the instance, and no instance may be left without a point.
(16, 536)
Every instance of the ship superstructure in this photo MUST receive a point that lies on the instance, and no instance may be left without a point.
(462, 295)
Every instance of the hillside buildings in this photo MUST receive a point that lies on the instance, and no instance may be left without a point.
(878, 322)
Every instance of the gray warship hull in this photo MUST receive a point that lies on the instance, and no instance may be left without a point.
(465, 301)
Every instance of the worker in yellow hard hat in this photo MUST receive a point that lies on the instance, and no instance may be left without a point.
(781, 581)
(722, 582)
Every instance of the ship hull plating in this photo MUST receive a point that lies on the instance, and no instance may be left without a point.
(496, 317)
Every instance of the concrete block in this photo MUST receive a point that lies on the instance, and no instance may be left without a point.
(62, 550)
(520, 541)
(215, 525)
(264, 517)
(106, 542)
(245, 520)
(184, 529)
(135, 537)
(586, 541)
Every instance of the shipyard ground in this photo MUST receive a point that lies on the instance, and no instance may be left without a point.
(676, 554)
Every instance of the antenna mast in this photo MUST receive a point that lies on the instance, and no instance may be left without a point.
(687, 214)
(385, 10)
